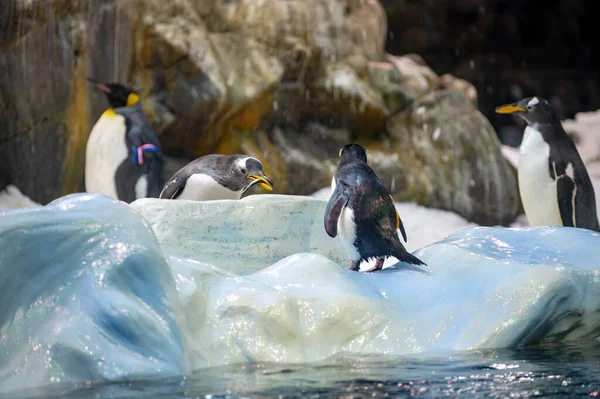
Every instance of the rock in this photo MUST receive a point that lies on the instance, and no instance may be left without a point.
(499, 48)
(460, 163)
(204, 71)
(450, 82)
(387, 80)
(44, 107)
(349, 99)
(289, 82)
(307, 155)
(90, 295)
(325, 30)
(439, 151)
(417, 77)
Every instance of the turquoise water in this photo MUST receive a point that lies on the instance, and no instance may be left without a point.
(565, 370)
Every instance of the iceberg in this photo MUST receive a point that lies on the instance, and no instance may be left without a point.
(97, 290)
(241, 237)
(85, 295)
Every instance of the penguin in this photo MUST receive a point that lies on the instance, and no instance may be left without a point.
(554, 184)
(123, 157)
(216, 177)
(362, 212)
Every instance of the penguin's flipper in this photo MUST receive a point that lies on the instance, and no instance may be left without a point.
(125, 177)
(339, 199)
(399, 224)
(566, 190)
(173, 188)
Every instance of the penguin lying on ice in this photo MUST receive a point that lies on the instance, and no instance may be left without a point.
(362, 212)
(215, 177)
(554, 185)
(123, 158)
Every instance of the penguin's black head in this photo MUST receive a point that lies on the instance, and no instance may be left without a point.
(532, 109)
(353, 152)
(117, 94)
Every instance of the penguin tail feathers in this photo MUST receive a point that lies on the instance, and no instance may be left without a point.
(407, 257)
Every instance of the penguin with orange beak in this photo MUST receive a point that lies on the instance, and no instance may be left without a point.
(554, 184)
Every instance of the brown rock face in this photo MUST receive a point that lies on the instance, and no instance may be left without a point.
(43, 111)
(462, 168)
(287, 81)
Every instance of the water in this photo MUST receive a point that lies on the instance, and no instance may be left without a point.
(557, 370)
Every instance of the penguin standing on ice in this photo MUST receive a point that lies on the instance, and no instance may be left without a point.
(123, 158)
(362, 212)
(216, 177)
(554, 185)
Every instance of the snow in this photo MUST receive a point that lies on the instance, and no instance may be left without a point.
(12, 198)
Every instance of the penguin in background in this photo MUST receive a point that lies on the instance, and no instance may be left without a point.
(554, 184)
(216, 177)
(123, 158)
(362, 212)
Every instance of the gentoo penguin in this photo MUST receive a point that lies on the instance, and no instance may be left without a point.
(363, 213)
(554, 185)
(215, 177)
(123, 158)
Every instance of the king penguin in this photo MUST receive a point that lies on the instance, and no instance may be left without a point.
(363, 213)
(554, 185)
(216, 177)
(123, 158)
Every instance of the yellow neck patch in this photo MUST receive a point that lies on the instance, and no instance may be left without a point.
(109, 112)
(132, 99)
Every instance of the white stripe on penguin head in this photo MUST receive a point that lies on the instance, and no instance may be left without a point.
(242, 162)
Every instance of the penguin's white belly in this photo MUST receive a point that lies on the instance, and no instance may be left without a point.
(106, 150)
(201, 187)
(141, 187)
(346, 228)
(536, 186)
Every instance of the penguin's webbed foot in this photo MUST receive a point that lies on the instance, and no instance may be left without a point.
(378, 265)
(354, 266)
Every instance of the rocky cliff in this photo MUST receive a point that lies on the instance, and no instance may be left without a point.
(287, 81)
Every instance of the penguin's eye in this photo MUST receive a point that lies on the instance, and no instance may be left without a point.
(243, 171)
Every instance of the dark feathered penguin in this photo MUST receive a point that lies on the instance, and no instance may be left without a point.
(362, 212)
(123, 158)
(554, 185)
